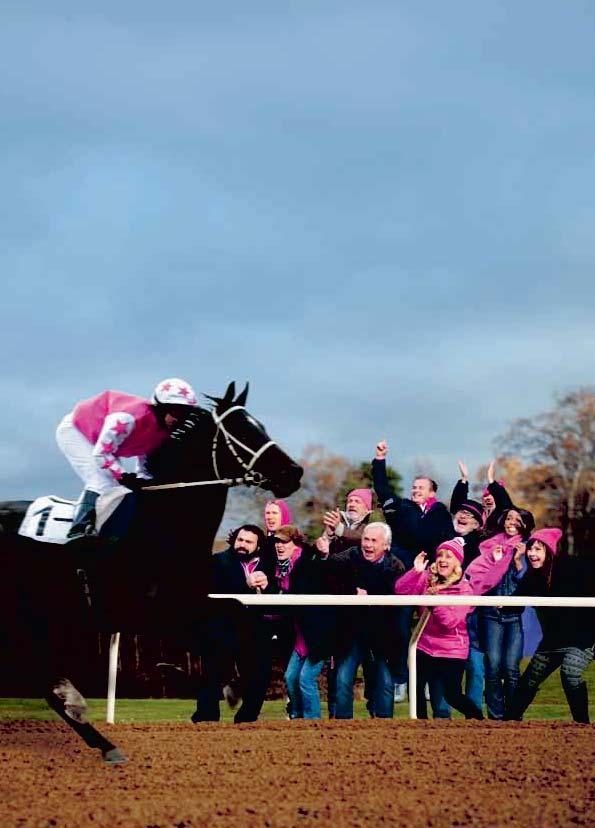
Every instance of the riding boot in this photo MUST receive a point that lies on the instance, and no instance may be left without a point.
(578, 701)
(521, 699)
(83, 519)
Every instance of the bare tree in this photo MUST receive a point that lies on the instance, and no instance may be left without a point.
(560, 445)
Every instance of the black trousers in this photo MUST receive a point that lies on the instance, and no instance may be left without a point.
(241, 643)
(450, 671)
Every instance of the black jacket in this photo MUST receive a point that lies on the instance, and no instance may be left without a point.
(413, 529)
(563, 626)
(460, 493)
(318, 623)
(376, 628)
(228, 576)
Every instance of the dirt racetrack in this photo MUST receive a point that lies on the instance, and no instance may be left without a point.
(302, 773)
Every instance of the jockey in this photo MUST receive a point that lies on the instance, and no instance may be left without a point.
(101, 430)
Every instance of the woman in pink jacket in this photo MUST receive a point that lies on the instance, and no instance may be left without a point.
(443, 647)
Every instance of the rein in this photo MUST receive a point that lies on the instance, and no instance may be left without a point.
(250, 477)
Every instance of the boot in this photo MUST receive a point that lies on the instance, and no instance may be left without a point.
(578, 701)
(521, 699)
(83, 519)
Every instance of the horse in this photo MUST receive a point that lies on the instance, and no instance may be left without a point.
(153, 574)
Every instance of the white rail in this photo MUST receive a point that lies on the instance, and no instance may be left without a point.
(369, 601)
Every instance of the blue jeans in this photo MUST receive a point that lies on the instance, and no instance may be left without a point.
(474, 676)
(381, 699)
(301, 677)
(504, 650)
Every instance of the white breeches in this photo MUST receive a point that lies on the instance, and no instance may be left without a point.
(79, 453)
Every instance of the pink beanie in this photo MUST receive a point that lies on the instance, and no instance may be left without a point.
(548, 536)
(456, 546)
(286, 516)
(365, 495)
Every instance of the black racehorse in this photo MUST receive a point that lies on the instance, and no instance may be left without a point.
(148, 571)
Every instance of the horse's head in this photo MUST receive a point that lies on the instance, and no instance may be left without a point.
(226, 442)
(242, 447)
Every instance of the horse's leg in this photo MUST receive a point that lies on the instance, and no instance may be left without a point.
(71, 706)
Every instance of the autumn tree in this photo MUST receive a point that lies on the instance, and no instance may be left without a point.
(558, 450)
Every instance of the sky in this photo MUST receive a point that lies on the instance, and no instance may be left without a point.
(381, 214)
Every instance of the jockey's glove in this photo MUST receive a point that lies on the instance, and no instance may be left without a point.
(131, 481)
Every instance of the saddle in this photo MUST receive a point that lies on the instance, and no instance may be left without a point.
(49, 518)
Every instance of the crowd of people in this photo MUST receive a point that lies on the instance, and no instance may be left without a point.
(464, 655)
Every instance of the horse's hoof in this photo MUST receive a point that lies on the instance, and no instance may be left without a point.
(114, 757)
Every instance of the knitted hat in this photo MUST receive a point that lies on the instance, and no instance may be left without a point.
(549, 536)
(288, 533)
(456, 546)
(286, 516)
(365, 495)
(475, 508)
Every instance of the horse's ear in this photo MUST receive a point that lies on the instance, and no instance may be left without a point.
(241, 400)
(229, 394)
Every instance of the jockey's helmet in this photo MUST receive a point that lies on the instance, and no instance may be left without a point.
(174, 391)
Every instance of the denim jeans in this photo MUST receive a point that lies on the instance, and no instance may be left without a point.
(301, 677)
(504, 650)
(381, 700)
(474, 676)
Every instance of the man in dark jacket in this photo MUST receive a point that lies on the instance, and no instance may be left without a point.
(418, 524)
(369, 632)
(241, 635)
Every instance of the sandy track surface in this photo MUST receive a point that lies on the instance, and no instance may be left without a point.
(302, 773)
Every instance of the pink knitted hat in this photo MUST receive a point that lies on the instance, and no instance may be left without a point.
(365, 495)
(456, 546)
(549, 536)
(286, 516)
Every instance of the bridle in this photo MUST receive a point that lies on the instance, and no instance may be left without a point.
(250, 476)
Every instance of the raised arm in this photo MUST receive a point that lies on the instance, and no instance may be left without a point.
(460, 493)
(386, 496)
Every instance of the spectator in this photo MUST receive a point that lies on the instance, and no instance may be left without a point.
(417, 524)
(344, 529)
(467, 524)
(443, 646)
(367, 633)
(501, 626)
(568, 633)
(276, 514)
(237, 636)
(309, 629)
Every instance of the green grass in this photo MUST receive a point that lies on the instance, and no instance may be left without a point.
(550, 704)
